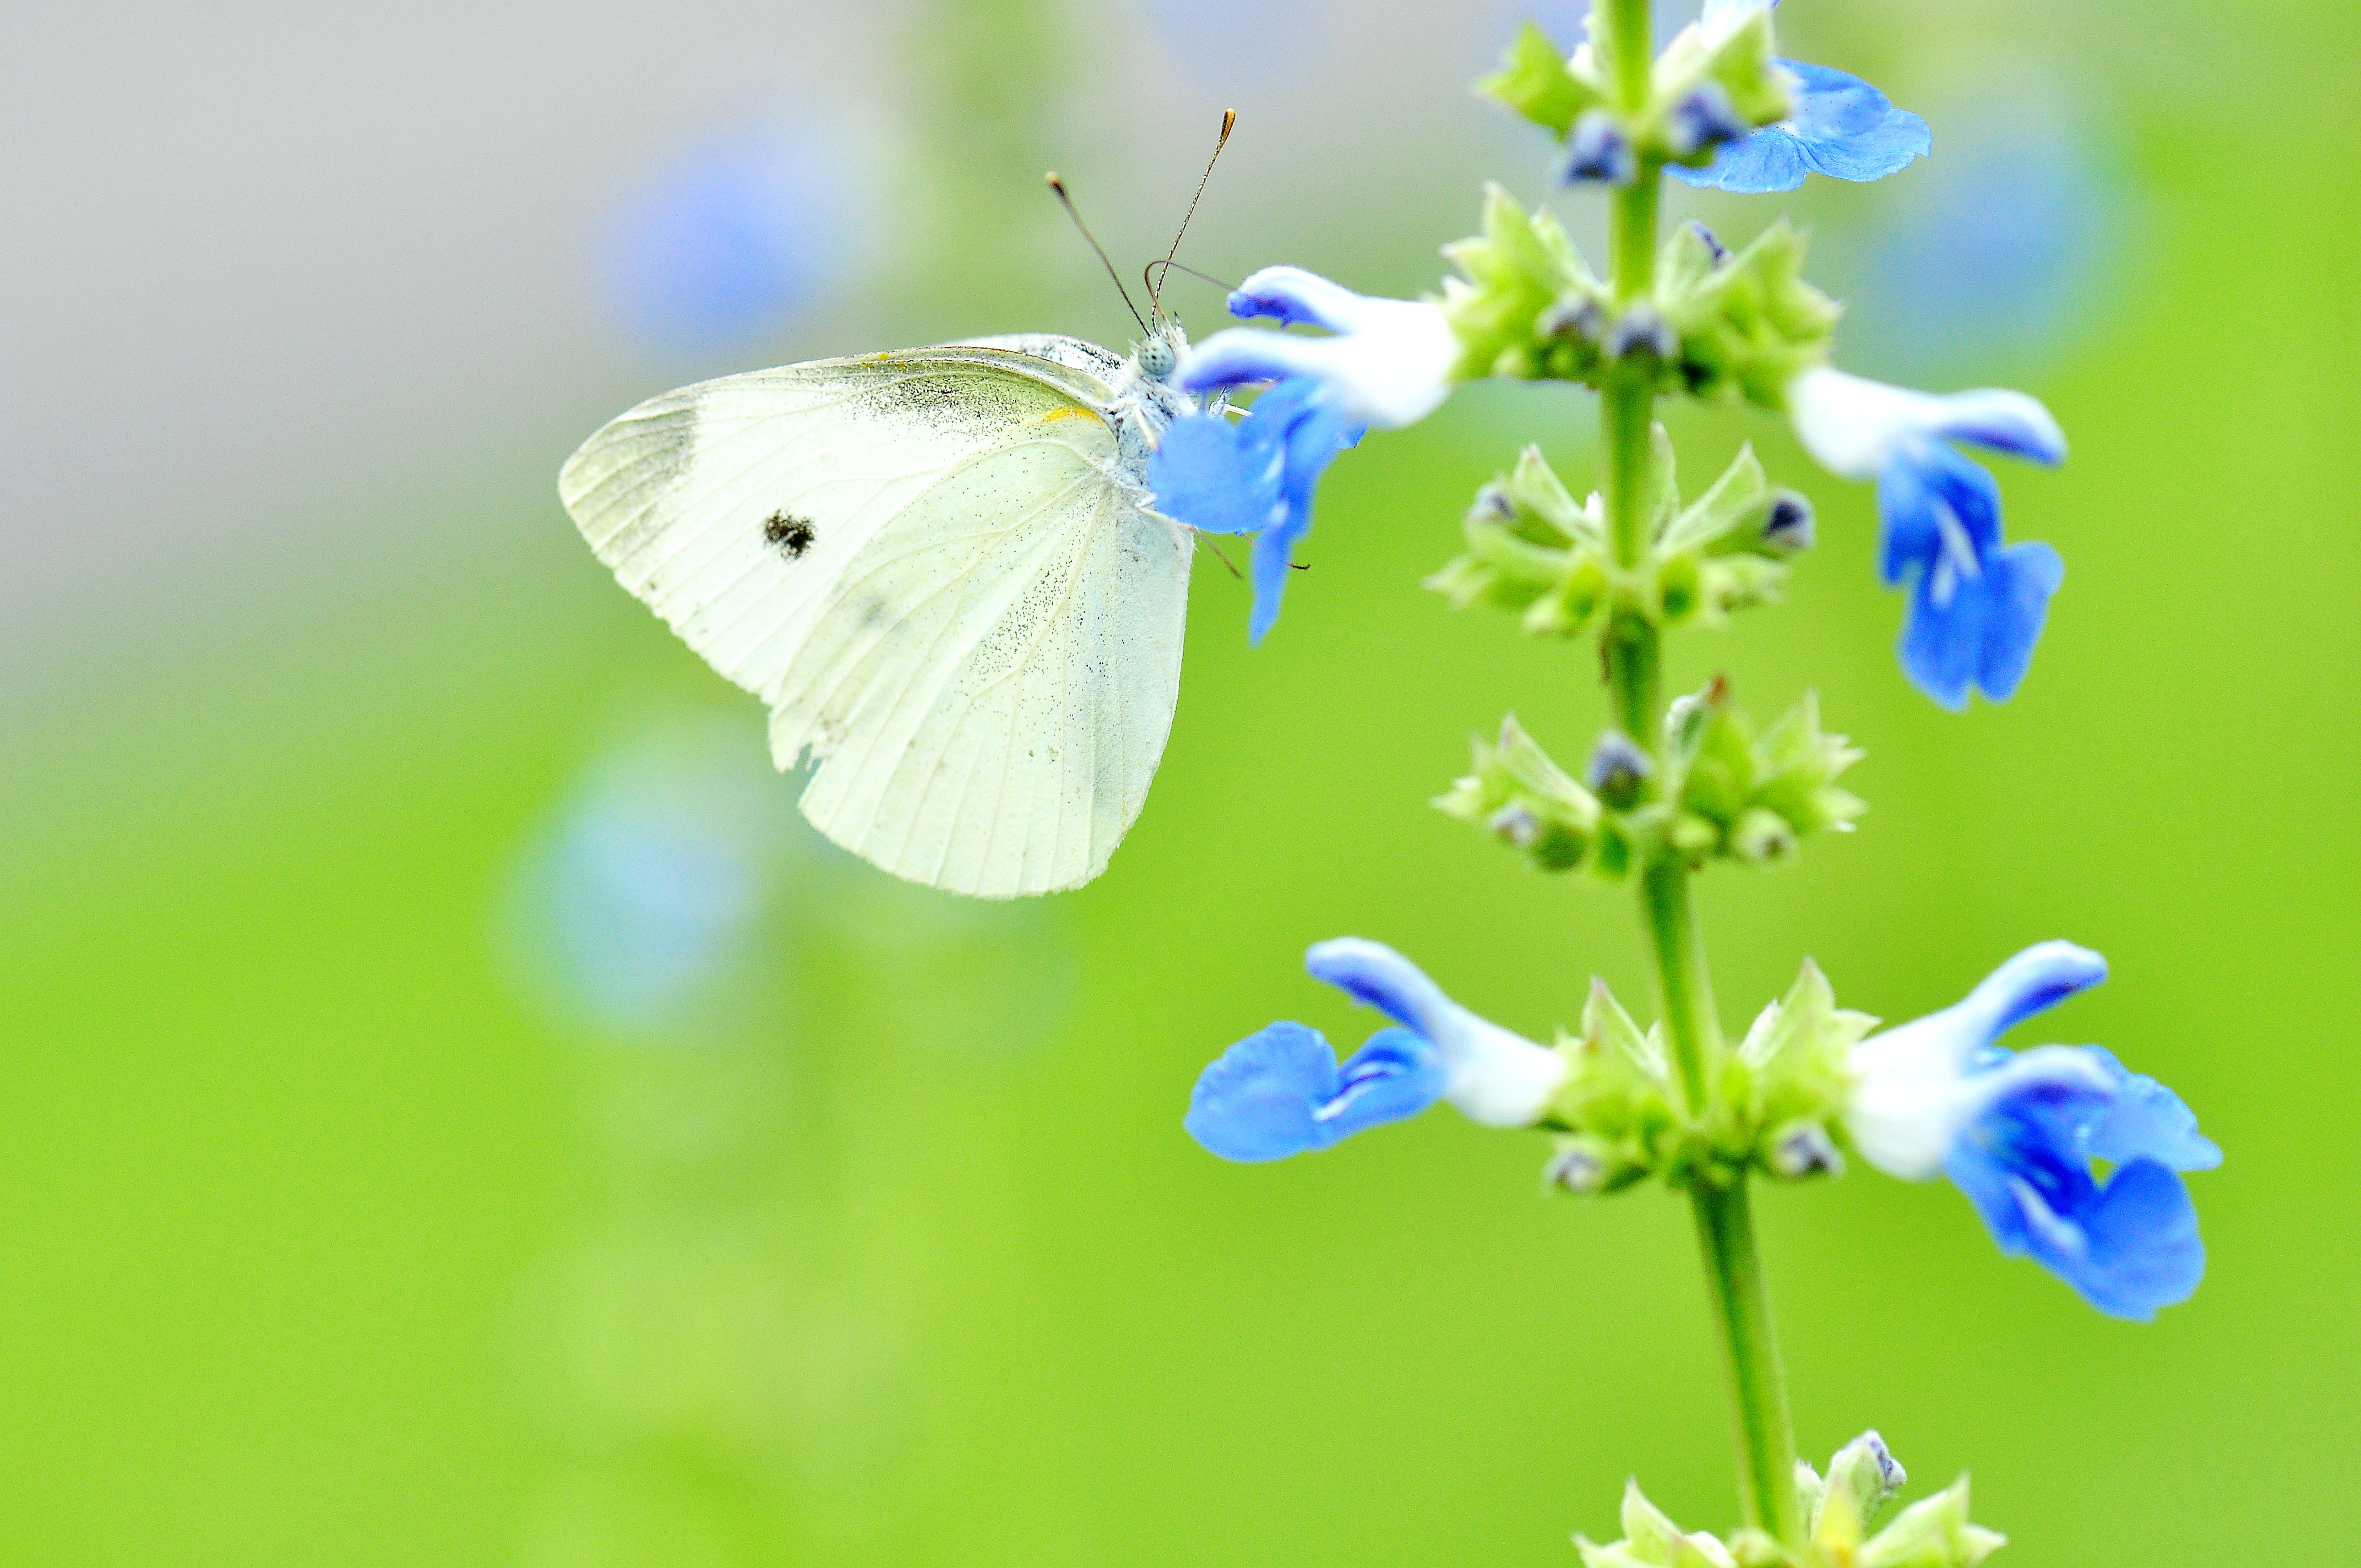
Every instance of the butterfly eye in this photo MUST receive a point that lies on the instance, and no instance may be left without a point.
(1156, 359)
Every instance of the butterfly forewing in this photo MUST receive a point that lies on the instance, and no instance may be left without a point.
(931, 567)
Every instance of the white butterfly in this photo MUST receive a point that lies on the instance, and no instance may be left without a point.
(943, 571)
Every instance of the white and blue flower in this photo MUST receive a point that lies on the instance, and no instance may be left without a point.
(1976, 606)
(1841, 126)
(1280, 1091)
(2018, 1131)
(1388, 362)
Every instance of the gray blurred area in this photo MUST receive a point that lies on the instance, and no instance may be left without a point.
(275, 275)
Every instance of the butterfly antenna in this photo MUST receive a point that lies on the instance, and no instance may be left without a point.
(1229, 123)
(1167, 265)
(1225, 560)
(1067, 200)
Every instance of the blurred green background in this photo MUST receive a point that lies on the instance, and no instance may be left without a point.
(453, 1112)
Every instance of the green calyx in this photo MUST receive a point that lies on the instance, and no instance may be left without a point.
(1746, 322)
(1532, 805)
(1719, 792)
(1772, 1107)
(1720, 326)
(1533, 548)
(1782, 1089)
(1615, 1111)
(1543, 85)
(1747, 797)
(1932, 1533)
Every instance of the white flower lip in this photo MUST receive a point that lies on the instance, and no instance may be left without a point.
(1914, 1091)
(1389, 361)
(1496, 1078)
(1853, 427)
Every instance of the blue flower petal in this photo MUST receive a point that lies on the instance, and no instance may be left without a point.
(1983, 634)
(1259, 1099)
(2146, 1121)
(2017, 585)
(1976, 609)
(2033, 982)
(2141, 1251)
(2002, 421)
(1934, 503)
(1842, 127)
(1395, 1075)
(1376, 976)
(1280, 1092)
(2129, 1246)
(1217, 476)
(1300, 421)
(1768, 159)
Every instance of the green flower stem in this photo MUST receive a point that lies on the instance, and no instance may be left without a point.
(1741, 1305)
(1741, 1302)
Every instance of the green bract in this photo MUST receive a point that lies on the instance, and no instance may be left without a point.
(1786, 1082)
(1533, 548)
(1517, 793)
(1753, 799)
(1542, 84)
(1747, 322)
(1932, 1533)
(1719, 326)
(1615, 1107)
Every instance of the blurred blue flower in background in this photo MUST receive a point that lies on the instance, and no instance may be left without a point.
(732, 239)
(1999, 248)
(2018, 1131)
(641, 890)
(1280, 1091)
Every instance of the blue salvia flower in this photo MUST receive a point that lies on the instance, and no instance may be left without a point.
(1255, 476)
(1280, 1091)
(1388, 362)
(1841, 126)
(1976, 606)
(2018, 1131)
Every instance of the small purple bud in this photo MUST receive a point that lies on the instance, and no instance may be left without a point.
(1642, 330)
(1516, 825)
(1806, 1151)
(1575, 1169)
(1597, 149)
(1493, 505)
(1580, 318)
(1619, 769)
(1789, 527)
(1703, 120)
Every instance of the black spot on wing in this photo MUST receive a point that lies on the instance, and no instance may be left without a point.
(789, 534)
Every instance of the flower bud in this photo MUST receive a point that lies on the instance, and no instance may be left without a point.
(1866, 1470)
(1598, 149)
(1575, 318)
(1576, 1167)
(1703, 120)
(1802, 1149)
(1788, 528)
(1762, 836)
(1618, 770)
(1642, 330)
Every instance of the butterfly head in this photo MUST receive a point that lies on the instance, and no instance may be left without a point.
(1160, 356)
